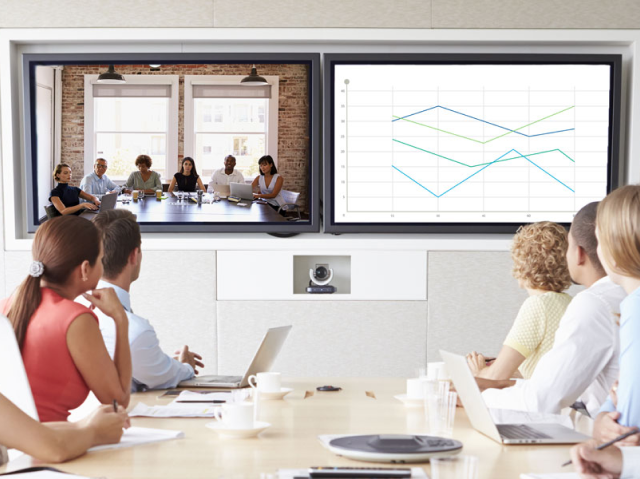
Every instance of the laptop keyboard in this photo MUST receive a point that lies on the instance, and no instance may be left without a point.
(225, 379)
(520, 431)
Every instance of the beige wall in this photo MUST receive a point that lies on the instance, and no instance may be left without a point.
(537, 14)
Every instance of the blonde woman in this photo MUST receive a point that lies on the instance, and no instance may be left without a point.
(618, 231)
(540, 266)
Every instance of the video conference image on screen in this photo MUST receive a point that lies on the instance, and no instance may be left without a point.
(217, 144)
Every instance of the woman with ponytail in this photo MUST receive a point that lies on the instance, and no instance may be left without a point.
(62, 348)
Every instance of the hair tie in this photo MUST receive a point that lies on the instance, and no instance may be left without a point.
(36, 269)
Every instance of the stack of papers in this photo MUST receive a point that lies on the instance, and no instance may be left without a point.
(202, 398)
(45, 475)
(174, 410)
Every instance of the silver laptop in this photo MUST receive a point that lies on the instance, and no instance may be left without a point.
(481, 419)
(262, 361)
(108, 202)
(241, 190)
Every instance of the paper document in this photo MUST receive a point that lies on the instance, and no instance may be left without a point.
(507, 416)
(45, 475)
(136, 436)
(174, 410)
(416, 472)
(559, 475)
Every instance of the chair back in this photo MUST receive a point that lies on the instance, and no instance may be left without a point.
(14, 384)
(51, 211)
(290, 197)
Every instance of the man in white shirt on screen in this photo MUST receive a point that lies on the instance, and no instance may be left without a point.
(122, 258)
(98, 183)
(583, 363)
(226, 175)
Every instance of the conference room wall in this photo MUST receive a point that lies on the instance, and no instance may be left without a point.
(407, 14)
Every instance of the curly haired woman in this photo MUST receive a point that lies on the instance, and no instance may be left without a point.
(540, 266)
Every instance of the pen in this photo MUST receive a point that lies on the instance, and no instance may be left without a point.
(613, 441)
(115, 406)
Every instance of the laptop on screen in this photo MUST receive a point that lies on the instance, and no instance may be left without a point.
(108, 202)
(262, 361)
(481, 419)
(241, 190)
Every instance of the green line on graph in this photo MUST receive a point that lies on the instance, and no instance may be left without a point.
(491, 139)
(483, 164)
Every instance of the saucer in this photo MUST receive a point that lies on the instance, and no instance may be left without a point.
(226, 431)
(275, 395)
(409, 402)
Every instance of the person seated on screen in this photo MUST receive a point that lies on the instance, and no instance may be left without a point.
(62, 349)
(269, 183)
(59, 441)
(540, 266)
(187, 179)
(586, 342)
(152, 367)
(98, 183)
(65, 198)
(618, 230)
(144, 178)
(226, 175)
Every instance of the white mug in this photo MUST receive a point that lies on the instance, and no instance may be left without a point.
(236, 416)
(415, 388)
(266, 382)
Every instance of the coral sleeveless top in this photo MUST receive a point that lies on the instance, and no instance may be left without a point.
(56, 383)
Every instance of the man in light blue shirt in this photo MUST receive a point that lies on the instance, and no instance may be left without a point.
(152, 368)
(98, 183)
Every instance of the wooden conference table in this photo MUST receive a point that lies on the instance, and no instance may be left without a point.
(152, 210)
(291, 441)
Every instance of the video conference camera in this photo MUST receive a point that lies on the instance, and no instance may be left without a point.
(320, 277)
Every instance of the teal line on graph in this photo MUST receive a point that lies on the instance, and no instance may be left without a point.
(509, 131)
(482, 164)
(483, 168)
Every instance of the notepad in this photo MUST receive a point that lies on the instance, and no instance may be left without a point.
(558, 475)
(136, 436)
(45, 475)
(198, 397)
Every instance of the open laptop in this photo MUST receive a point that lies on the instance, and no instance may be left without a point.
(107, 202)
(222, 190)
(481, 419)
(241, 190)
(262, 361)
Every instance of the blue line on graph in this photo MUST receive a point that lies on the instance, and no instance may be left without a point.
(474, 174)
(483, 121)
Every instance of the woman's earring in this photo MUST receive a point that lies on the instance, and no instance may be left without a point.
(84, 278)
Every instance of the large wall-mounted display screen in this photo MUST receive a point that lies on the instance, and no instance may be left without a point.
(467, 143)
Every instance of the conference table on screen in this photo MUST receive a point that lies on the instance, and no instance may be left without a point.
(173, 210)
(362, 406)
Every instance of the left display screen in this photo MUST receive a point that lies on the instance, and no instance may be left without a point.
(173, 107)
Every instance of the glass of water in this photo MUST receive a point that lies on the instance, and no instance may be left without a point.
(454, 467)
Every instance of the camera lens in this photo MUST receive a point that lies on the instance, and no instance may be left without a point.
(321, 272)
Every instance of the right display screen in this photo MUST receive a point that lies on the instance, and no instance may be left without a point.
(468, 144)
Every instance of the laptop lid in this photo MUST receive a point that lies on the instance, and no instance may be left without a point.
(242, 190)
(267, 352)
(108, 202)
(224, 190)
(470, 395)
(14, 384)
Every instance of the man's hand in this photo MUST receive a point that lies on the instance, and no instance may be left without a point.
(594, 464)
(606, 428)
(494, 383)
(187, 357)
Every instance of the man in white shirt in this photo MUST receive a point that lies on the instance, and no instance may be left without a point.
(98, 183)
(152, 368)
(583, 363)
(226, 175)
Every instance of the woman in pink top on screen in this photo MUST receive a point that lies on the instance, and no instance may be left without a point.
(62, 348)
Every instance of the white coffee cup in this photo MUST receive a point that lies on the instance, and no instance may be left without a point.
(415, 388)
(266, 382)
(236, 416)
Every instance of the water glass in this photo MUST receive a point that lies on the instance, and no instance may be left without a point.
(454, 467)
(440, 408)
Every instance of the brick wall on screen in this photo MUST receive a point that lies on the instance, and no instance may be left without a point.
(293, 116)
